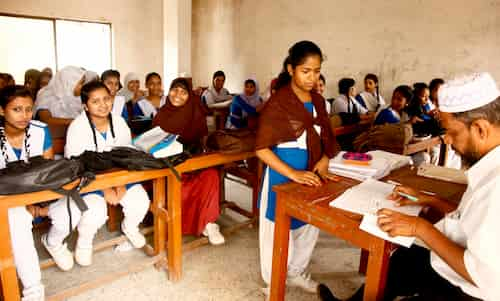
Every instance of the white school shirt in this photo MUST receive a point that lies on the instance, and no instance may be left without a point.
(371, 101)
(79, 137)
(210, 96)
(147, 107)
(340, 105)
(475, 225)
(38, 140)
(118, 105)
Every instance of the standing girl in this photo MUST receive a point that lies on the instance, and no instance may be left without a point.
(95, 129)
(184, 115)
(370, 98)
(295, 141)
(21, 138)
(148, 106)
(111, 79)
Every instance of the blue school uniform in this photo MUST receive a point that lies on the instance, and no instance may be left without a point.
(294, 154)
(387, 115)
(239, 112)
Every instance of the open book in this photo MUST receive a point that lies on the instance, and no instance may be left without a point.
(366, 199)
(158, 143)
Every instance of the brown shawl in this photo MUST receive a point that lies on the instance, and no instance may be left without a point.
(188, 121)
(284, 118)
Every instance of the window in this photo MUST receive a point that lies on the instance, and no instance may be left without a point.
(39, 43)
(26, 43)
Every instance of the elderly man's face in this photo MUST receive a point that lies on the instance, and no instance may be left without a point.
(458, 134)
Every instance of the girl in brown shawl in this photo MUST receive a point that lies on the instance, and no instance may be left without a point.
(295, 141)
(183, 114)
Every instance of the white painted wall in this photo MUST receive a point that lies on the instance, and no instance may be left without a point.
(137, 27)
(176, 39)
(401, 41)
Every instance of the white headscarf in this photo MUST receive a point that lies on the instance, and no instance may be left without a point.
(125, 92)
(58, 96)
(254, 100)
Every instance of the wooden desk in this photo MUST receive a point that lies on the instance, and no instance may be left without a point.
(175, 200)
(163, 217)
(311, 205)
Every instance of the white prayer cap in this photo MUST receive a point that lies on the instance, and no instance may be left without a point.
(467, 93)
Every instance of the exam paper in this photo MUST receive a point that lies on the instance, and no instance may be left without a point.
(366, 199)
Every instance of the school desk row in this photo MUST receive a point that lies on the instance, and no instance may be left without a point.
(166, 210)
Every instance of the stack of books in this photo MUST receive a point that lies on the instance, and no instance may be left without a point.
(372, 165)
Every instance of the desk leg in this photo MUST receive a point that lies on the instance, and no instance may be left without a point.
(160, 220)
(174, 252)
(10, 288)
(378, 264)
(280, 250)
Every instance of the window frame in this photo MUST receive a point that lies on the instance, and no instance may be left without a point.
(54, 30)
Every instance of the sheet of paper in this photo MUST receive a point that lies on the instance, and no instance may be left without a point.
(366, 199)
(370, 196)
(369, 224)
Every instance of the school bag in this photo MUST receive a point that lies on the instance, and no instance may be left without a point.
(387, 137)
(39, 174)
(232, 141)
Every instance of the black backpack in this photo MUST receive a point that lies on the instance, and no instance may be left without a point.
(40, 174)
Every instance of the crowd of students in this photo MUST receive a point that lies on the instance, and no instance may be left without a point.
(294, 139)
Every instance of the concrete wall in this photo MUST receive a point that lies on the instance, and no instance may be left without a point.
(137, 26)
(401, 41)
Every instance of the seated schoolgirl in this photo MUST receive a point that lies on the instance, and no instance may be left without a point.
(370, 98)
(21, 138)
(148, 106)
(131, 88)
(320, 88)
(396, 113)
(421, 106)
(216, 92)
(434, 86)
(32, 81)
(95, 129)
(244, 106)
(295, 141)
(184, 115)
(59, 102)
(346, 105)
(111, 79)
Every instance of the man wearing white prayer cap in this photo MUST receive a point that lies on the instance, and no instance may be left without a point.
(462, 261)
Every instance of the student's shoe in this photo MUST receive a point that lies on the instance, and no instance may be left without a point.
(83, 256)
(34, 293)
(134, 236)
(325, 294)
(213, 233)
(61, 255)
(303, 281)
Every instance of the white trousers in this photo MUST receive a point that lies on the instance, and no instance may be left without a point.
(135, 205)
(300, 248)
(23, 248)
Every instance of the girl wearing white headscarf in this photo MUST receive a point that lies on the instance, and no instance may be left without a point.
(59, 102)
(131, 87)
(244, 105)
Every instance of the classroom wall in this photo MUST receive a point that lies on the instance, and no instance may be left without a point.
(137, 26)
(401, 41)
